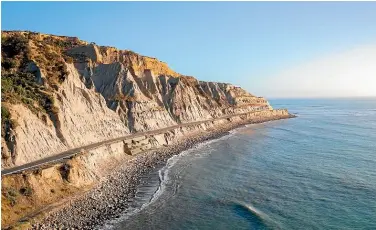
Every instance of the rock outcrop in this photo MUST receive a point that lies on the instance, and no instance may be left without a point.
(71, 93)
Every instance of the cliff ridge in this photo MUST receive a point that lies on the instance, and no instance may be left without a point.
(61, 92)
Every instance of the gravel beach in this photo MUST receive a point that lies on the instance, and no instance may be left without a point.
(111, 197)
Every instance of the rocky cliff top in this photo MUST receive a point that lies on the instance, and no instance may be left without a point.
(66, 47)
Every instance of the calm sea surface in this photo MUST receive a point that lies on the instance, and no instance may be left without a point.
(317, 171)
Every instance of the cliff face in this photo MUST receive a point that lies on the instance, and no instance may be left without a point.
(60, 92)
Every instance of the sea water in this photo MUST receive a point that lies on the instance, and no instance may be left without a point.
(316, 171)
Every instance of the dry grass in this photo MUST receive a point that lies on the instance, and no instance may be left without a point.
(19, 85)
(24, 196)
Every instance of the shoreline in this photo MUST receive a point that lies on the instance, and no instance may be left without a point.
(110, 198)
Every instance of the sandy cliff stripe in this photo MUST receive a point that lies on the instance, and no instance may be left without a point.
(74, 151)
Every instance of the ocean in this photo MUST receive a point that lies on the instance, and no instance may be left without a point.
(316, 171)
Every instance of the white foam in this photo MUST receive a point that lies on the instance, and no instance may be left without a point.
(164, 172)
(254, 210)
(264, 217)
(233, 131)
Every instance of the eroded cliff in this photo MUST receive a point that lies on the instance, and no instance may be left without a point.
(60, 92)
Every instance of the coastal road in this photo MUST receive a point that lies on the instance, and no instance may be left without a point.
(71, 152)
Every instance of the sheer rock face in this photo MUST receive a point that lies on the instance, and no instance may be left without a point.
(108, 93)
(83, 118)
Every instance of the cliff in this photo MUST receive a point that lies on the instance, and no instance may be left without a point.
(60, 92)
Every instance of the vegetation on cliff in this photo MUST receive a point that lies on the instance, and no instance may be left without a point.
(26, 58)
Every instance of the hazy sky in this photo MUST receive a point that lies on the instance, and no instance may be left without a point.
(273, 49)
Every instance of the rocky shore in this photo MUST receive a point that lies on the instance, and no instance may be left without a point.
(113, 194)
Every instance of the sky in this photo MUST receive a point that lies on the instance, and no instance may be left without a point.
(272, 49)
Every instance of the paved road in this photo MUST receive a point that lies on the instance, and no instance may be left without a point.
(71, 152)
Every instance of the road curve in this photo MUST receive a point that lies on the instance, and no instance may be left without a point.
(71, 152)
